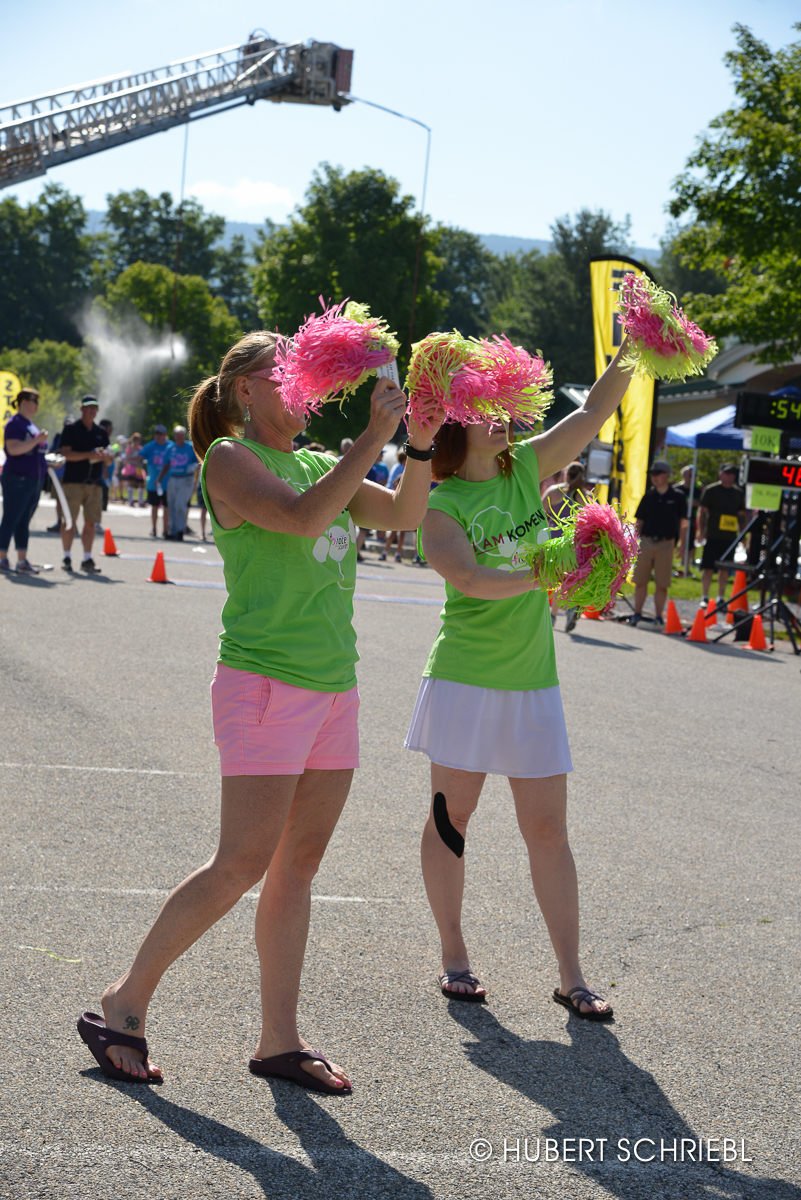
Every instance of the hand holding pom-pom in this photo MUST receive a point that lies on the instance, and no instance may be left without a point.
(330, 356)
(664, 343)
(586, 566)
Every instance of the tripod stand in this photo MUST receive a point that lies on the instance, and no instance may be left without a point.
(769, 574)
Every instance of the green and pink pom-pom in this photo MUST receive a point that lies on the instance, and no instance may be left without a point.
(587, 564)
(665, 344)
(472, 380)
(332, 353)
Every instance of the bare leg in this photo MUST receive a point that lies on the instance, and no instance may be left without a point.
(706, 579)
(282, 915)
(541, 808)
(88, 536)
(723, 579)
(254, 810)
(443, 872)
(640, 592)
(660, 599)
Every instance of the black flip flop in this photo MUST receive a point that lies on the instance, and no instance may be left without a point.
(462, 977)
(98, 1038)
(288, 1066)
(585, 995)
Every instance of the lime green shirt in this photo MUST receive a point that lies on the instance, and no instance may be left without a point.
(289, 612)
(508, 643)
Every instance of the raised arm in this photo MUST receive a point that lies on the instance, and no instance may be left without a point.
(377, 507)
(448, 549)
(556, 448)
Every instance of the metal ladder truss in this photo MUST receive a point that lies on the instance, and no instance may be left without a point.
(46, 131)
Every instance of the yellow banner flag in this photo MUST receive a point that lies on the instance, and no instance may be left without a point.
(629, 430)
(9, 386)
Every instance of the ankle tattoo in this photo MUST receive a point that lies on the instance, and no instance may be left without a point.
(131, 1023)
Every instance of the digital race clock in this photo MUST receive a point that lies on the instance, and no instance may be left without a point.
(769, 412)
(777, 472)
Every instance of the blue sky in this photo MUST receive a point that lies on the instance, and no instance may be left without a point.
(537, 109)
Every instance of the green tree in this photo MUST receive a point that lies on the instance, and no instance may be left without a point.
(145, 228)
(61, 373)
(464, 279)
(138, 309)
(742, 192)
(543, 301)
(233, 281)
(356, 236)
(45, 265)
(678, 276)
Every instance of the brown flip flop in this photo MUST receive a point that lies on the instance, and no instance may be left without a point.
(585, 995)
(288, 1066)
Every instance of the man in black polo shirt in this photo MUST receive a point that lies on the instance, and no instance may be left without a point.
(83, 444)
(661, 519)
(721, 516)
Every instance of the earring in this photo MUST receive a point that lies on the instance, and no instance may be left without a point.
(247, 415)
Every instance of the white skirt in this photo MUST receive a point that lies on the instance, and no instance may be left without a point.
(491, 731)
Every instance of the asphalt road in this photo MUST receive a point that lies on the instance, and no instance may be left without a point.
(685, 826)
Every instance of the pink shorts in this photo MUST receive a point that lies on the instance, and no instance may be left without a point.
(263, 726)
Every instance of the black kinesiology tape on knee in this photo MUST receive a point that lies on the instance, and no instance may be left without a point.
(450, 836)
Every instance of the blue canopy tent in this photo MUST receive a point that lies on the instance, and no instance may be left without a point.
(713, 431)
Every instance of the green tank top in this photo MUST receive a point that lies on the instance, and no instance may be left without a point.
(289, 611)
(505, 644)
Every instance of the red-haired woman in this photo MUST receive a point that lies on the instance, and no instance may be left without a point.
(489, 702)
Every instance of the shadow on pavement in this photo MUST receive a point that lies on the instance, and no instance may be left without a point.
(595, 1091)
(336, 1161)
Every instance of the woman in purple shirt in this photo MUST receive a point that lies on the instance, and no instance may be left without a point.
(22, 478)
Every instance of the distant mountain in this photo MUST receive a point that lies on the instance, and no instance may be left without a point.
(500, 244)
(496, 243)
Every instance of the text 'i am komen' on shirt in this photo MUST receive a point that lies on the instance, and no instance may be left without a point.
(508, 643)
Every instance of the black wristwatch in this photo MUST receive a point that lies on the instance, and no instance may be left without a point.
(419, 455)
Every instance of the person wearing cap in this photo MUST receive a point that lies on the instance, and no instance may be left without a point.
(154, 455)
(721, 516)
(84, 445)
(661, 520)
(178, 476)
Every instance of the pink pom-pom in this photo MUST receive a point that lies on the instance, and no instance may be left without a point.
(476, 380)
(591, 521)
(665, 344)
(433, 366)
(331, 353)
(520, 382)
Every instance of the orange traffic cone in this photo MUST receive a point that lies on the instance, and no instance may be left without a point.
(698, 631)
(673, 624)
(711, 615)
(108, 545)
(757, 638)
(159, 573)
(591, 614)
(741, 603)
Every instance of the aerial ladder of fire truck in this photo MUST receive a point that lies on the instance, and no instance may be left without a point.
(47, 131)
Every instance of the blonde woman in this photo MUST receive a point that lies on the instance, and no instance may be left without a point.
(284, 697)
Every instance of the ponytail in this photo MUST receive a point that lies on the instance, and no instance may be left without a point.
(206, 420)
(215, 410)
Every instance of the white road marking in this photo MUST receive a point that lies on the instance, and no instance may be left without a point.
(72, 890)
(395, 599)
(109, 770)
